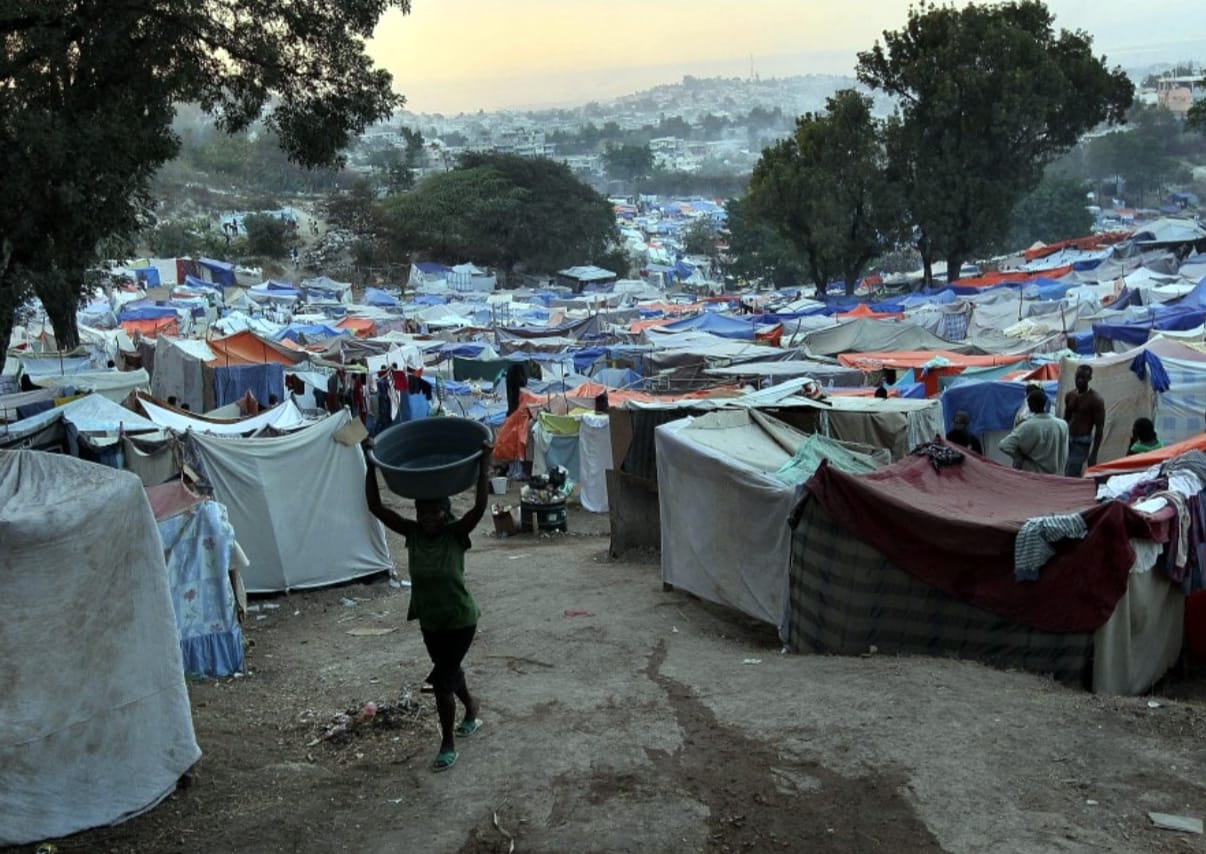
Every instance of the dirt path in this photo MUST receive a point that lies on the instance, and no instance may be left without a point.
(620, 717)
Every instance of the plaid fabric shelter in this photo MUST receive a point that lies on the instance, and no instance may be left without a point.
(1179, 411)
(844, 597)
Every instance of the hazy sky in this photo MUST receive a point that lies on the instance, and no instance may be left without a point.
(454, 56)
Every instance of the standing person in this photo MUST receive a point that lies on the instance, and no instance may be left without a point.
(1040, 443)
(517, 378)
(1143, 437)
(960, 435)
(1084, 410)
(1024, 410)
(447, 613)
(384, 406)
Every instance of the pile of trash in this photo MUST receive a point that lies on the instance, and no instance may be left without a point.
(371, 715)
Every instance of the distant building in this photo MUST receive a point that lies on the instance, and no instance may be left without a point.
(1180, 93)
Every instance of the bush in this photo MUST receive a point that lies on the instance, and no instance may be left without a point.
(266, 235)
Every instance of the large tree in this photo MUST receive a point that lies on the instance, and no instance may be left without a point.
(757, 252)
(504, 210)
(827, 192)
(87, 95)
(986, 96)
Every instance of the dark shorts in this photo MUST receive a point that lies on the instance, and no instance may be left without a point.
(447, 648)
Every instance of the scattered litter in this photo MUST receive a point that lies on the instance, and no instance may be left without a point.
(576, 613)
(394, 800)
(507, 836)
(252, 609)
(347, 603)
(368, 632)
(297, 613)
(871, 650)
(374, 680)
(46, 848)
(751, 661)
(261, 616)
(674, 630)
(399, 583)
(515, 557)
(374, 715)
(1183, 823)
(1091, 802)
(269, 606)
(1153, 704)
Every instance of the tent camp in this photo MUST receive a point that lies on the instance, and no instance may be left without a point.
(298, 504)
(943, 573)
(95, 724)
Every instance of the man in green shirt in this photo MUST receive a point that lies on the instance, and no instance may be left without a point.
(447, 613)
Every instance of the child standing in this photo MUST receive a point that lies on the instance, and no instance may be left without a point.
(447, 613)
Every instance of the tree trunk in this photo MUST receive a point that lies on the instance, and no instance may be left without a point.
(61, 305)
(954, 264)
(8, 316)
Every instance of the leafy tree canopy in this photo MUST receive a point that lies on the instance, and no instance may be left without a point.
(987, 95)
(758, 253)
(504, 210)
(87, 94)
(1057, 209)
(628, 163)
(826, 191)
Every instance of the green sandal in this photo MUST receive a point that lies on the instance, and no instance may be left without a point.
(467, 728)
(444, 761)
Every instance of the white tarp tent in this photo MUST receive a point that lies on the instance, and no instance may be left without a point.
(113, 384)
(283, 417)
(298, 504)
(178, 371)
(724, 530)
(95, 724)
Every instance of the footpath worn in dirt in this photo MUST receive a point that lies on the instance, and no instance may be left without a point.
(621, 717)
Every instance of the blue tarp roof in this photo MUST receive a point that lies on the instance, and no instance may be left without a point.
(376, 296)
(201, 284)
(1175, 318)
(146, 312)
(715, 324)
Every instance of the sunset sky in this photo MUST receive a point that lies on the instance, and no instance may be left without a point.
(454, 56)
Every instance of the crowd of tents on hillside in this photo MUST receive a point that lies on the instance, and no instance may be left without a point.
(204, 418)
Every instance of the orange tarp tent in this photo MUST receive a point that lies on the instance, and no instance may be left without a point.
(152, 327)
(864, 310)
(361, 327)
(1138, 462)
(244, 348)
(953, 363)
(991, 280)
(1093, 241)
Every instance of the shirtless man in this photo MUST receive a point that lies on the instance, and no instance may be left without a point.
(1084, 410)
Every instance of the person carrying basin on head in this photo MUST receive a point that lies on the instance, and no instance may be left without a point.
(436, 543)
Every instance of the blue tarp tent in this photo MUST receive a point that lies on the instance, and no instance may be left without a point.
(991, 404)
(221, 272)
(148, 277)
(378, 297)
